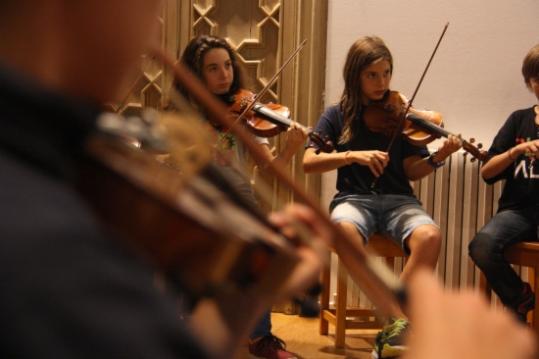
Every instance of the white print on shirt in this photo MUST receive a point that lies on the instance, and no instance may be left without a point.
(527, 171)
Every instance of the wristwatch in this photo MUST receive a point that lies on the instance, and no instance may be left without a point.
(434, 164)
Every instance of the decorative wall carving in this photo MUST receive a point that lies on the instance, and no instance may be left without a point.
(264, 33)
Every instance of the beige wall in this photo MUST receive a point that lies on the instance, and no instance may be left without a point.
(475, 79)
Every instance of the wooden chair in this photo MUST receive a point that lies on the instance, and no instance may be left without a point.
(524, 254)
(352, 318)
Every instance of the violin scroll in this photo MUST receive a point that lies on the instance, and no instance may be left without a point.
(475, 150)
(323, 144)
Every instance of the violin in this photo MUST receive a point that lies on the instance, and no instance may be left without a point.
(419, 127)
(268, 120)
(182, 218)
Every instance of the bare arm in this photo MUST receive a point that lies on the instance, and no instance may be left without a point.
(324, 162)
(416, 167)
(499, 163)
(295, 138)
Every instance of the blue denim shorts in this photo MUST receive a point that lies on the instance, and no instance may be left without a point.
(396, 215)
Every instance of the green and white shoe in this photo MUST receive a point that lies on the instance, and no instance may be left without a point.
(390, 340)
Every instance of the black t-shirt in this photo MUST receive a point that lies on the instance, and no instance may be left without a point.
(522, 177)
(69, 289)
(357, 179)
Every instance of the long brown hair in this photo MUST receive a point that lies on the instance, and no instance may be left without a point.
(193, 58)
(365, 51)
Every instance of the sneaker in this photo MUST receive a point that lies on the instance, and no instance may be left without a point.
(526, 303)
(270, 347)
(389, 341)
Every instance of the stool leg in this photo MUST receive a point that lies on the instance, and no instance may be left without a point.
(324, 297)
(534, 281)
(340, 307)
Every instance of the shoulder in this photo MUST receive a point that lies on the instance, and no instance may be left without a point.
(522, 115)
(332, 116)
(517, 120)
(332, 112)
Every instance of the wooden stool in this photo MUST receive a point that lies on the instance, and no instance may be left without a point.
(383, 246)
(524, 254)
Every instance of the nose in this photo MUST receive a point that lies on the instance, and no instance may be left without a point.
(383, 81)
(223, 73)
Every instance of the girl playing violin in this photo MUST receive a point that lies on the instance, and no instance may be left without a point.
(389, 207)
(515, 150)
(216, 64)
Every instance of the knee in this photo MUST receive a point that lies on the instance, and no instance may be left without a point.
(481, 249)
(351, 229)
(426, 238)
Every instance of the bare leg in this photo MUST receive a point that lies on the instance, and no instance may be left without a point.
(424, 243)
(352, 231)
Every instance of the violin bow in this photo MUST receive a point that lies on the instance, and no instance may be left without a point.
(274, 78)
(376, 280)
(410, 102)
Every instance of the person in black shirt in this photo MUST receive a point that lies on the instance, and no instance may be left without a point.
(514, 152)
(69, 289)
(360, 157)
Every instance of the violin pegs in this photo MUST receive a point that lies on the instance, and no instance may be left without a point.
(479, 145)
(472, 140)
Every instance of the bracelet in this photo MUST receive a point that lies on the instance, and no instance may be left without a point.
(434, 164)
